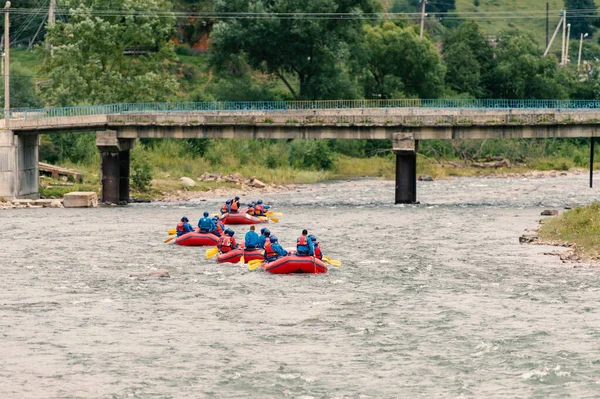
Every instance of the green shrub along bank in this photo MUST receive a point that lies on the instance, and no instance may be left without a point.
(157, 164)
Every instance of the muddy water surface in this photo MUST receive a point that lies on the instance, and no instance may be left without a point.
(433, 300)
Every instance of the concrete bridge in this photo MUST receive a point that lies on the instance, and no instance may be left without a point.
(404, 122)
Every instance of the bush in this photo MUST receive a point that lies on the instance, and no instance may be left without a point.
(311, 154)
(141, 173)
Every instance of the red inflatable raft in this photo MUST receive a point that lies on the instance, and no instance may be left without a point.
(241, 218)
(296, 264)
(197, 239)
(235, 255)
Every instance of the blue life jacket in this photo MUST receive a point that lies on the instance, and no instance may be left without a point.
(251, 239)
(206, 225)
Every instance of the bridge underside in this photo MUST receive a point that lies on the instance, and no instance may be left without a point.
(19, 172)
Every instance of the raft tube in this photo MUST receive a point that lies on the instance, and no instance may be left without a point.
(235, 255)
(197, 239)
(296, 264)
(242, 218)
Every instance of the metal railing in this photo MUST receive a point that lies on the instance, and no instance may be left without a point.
(186, 107)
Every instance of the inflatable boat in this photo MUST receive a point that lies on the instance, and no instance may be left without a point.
(296, 264)
(242, 218)
(197, 239)
(235, 255)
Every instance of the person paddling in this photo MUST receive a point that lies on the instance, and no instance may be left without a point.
(304, 245)
(219, 227)
(235, 205)
(206, 224)
(264, 237)
(317, 246)
(227, 242)
(251, 239)
(225, 207)
(184, 226)
(273, 250)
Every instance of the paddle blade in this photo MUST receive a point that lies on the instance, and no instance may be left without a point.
(172, 231)
(211, 252)
(254, 264)
(332, 262)
(169, 239)
(274, 219)
(241, 262)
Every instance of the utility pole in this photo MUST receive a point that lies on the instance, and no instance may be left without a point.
(554, 36)
(547, 21)
(568, 42)
(6, 62)
(423, 2)
(51, 21)
(580, 46)
(564, 32)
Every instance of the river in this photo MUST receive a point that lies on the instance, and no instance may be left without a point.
(432, 300)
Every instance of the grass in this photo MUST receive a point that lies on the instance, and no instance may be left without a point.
(579, 226)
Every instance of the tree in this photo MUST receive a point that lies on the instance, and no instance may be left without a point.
(100, 57)
(522, 73)
(581, 23)
(305, 53)
(433, 6)
(398, 63)
(469, 60)
(22, 89)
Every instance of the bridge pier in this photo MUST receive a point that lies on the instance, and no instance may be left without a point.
(19, 172)
(405, 147)
(114, 169)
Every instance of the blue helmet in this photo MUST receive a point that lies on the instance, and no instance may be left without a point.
(228, 202)
(259, 202)
(231, 233)
(205, 214)
(262, 231)
(215, 218)
(237, 198)
(185, 219)
(312, 237)
(266, 232)
(273, 239)
(250, 205)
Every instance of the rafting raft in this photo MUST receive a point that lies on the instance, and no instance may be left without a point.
(296, 264)
(242, 218)
(197, 239)
(234, 256)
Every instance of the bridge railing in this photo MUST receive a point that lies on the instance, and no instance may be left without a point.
(174, 107)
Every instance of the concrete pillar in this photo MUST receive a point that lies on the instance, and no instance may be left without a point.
(114, 171)
(405, 148)
(124, 161)
(8, 165)
(28, 166)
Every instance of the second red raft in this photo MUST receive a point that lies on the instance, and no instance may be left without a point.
(236, 255)
(241, 218)
(197, 239)
(296, 264)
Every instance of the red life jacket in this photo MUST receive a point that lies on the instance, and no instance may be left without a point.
(225, 244)
(259, 210)
(318, 252)
(269, 251)
(250, 211)
(220, 228)
(180, 227)
(224, 208)
(234, 206)
(302, 241)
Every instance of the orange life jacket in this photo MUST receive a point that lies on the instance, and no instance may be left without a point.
(259, 210)
(224, 208)
(250, 211)
(269, 251)
(234, 206)
(180, 227)
(219, 228)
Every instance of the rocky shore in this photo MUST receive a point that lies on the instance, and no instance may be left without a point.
(28, 203)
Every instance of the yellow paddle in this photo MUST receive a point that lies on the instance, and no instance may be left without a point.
(169, 239)
(172, 231)
(332, 262)
(241, 262)
(274, 213)
(210, 252)
(253, 264)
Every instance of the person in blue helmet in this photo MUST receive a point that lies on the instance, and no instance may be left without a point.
(304, 245)
(184, 226)
(206, 224)
(259, 209)
(226, 207)
(251, 239)
(273, 250)
(317, 246)
(219, 227)
(264, 237)
(227, 242)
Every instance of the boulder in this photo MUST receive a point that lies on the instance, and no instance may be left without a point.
(425, 178)
(187, 182)
(162, 273)
(23, 202)
(528, 238)
(43, 202)
(211, 177)
(254, 182)
(550, 212)
(56, 203)
(234, 178)
(80, 199)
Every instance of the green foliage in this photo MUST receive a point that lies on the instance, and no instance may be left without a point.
(22, 89)
(73, 147)
(397, 63)
(581, 23)
(141, 172)
(311, 154)
(305, 54)
(87, 64)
